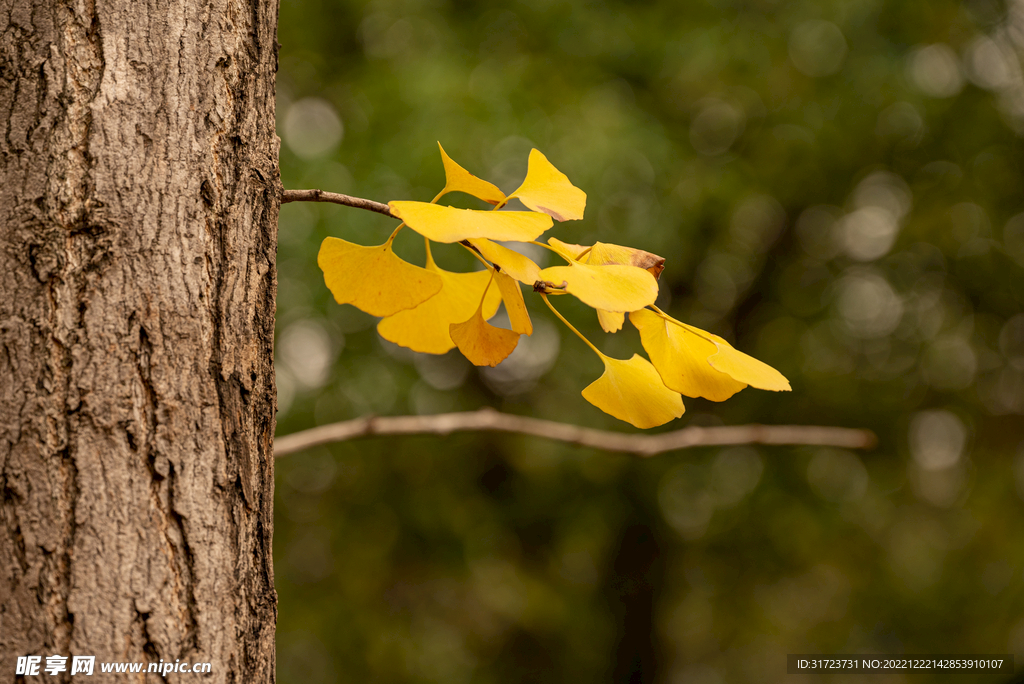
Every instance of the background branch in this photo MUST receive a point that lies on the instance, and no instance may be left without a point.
(335, 198)
(487, 419)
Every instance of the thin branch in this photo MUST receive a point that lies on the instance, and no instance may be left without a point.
(336, 198)
(640, 445)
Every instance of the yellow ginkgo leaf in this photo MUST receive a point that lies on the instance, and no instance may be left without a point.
(515, 307)
(425, 328)
(567, 250)
(548, 190)
(511, 262)
(458, 179)
(633, 391)
(448, 224)
(482, 343)
(744, 368)
(611, 321)
(681, 357)
(612, 288)
(373, 278)
(603, 253)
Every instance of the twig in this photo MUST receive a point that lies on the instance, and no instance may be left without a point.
(639, 445)
(336, 198)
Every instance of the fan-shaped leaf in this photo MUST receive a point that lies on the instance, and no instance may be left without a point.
(515, 307)
(458, 179)
(426, 328)
(612, 288)
(633, 391)
(373, 278)
(448, 224)
(681, 357)
(604, 253)
(744, 368)
(548, 190)
(482, 343)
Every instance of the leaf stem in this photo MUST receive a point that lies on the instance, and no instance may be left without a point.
(570, 326)
(430, 257)
(483, 297)
(395, 232)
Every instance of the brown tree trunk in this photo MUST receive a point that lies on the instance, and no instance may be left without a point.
(138, 215)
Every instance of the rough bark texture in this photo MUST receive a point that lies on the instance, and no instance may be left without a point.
(138, 214)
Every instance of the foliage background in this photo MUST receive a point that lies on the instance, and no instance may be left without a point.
(837, 188)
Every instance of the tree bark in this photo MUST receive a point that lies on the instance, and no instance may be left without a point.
(139, 195)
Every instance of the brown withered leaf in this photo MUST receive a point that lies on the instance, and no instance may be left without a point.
(603, 253)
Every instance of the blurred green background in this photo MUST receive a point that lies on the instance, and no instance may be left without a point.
(837, 188)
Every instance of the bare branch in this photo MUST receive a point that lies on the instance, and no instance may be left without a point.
(336, 198)
(487, 419)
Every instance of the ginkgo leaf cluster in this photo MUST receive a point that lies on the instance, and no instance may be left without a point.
(430, 310)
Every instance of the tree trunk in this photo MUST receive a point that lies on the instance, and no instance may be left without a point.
(138, 223)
